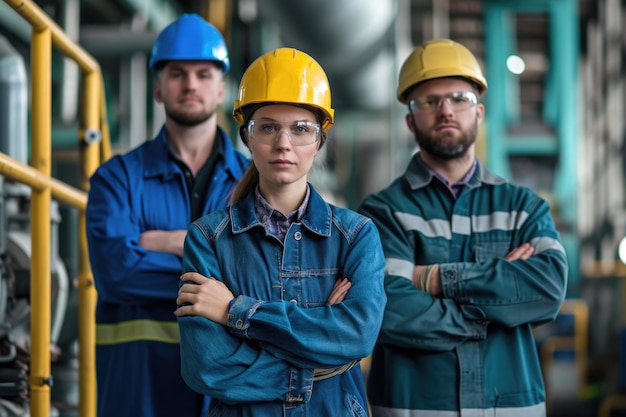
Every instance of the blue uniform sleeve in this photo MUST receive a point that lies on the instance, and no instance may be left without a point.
(233, 370)
(224, 366)
(519, 292)
(123, 271)
(350, 328)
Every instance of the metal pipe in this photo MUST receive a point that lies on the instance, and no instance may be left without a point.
(40, 21)
(45, 33)
(13, 103)
(26, 174)
(70, 82)
(350, 39)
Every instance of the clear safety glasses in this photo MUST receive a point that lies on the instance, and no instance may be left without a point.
(300, 132)
(458, 101)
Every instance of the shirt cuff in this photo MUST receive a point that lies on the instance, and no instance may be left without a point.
(240, 312)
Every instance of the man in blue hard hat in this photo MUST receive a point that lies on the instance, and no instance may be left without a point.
(139, 207)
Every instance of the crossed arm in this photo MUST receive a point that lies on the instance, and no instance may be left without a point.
(170, 241)
(428, 278)
(438, 307)
(210, 298)
(224, 344)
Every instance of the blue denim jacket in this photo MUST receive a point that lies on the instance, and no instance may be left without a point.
(280, 328)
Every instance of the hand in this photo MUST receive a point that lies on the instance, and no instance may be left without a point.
(202, 296)
(170, 241)
(522, 252)
(339, 291)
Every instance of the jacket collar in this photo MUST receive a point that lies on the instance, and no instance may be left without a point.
(317, 217)
(418, 175)
(158, 151)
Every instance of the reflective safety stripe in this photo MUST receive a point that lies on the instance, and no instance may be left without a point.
(542, 244)
(137, 330)
(400, 267)
(498, 220)
(429, 228)
(463, 225)
(538, 410)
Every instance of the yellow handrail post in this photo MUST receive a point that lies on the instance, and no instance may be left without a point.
(90, 143)
(40, 380)
(95, 146)
(105, 143)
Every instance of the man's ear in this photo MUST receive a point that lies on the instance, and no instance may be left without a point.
(410, 122)
(156, 91)
(480, 112)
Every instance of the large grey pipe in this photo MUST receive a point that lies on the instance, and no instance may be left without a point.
(13, 103)
(13, 119)
(351, 39)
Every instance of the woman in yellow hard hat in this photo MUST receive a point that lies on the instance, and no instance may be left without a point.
(283, 292)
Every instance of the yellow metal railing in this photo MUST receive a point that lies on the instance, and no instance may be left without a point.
(95, 146)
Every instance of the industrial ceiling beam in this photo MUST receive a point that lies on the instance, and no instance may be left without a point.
(156, 13)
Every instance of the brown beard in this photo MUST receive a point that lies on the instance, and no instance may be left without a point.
(448, 146)
(188, 119)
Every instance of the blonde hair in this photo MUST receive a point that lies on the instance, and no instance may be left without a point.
(247, 183)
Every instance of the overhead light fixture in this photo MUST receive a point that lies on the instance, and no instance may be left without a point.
(515, 64)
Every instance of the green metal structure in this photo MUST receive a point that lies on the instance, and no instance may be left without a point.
(552, 135)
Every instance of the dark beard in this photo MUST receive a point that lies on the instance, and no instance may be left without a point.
(188, 119)
(447, 146)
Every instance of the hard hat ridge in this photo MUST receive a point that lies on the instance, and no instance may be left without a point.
(439, 58)
(285, 75)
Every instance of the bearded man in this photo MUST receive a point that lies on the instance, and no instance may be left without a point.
(473, 262)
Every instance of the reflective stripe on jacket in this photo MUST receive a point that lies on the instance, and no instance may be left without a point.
(471, 351)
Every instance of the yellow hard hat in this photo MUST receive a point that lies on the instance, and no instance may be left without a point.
(285, 75)
(436, 59)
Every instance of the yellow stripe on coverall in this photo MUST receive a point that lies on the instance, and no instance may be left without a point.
(137, 330)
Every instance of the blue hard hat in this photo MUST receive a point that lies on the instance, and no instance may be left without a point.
(190, 38)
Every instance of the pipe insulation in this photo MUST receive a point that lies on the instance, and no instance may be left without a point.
(13, 103)
(351, 39)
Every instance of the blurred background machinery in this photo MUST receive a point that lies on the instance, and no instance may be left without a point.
(555, 122)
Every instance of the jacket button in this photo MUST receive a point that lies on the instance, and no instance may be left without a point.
(293, 300)
(239, 324)
(297, 235)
